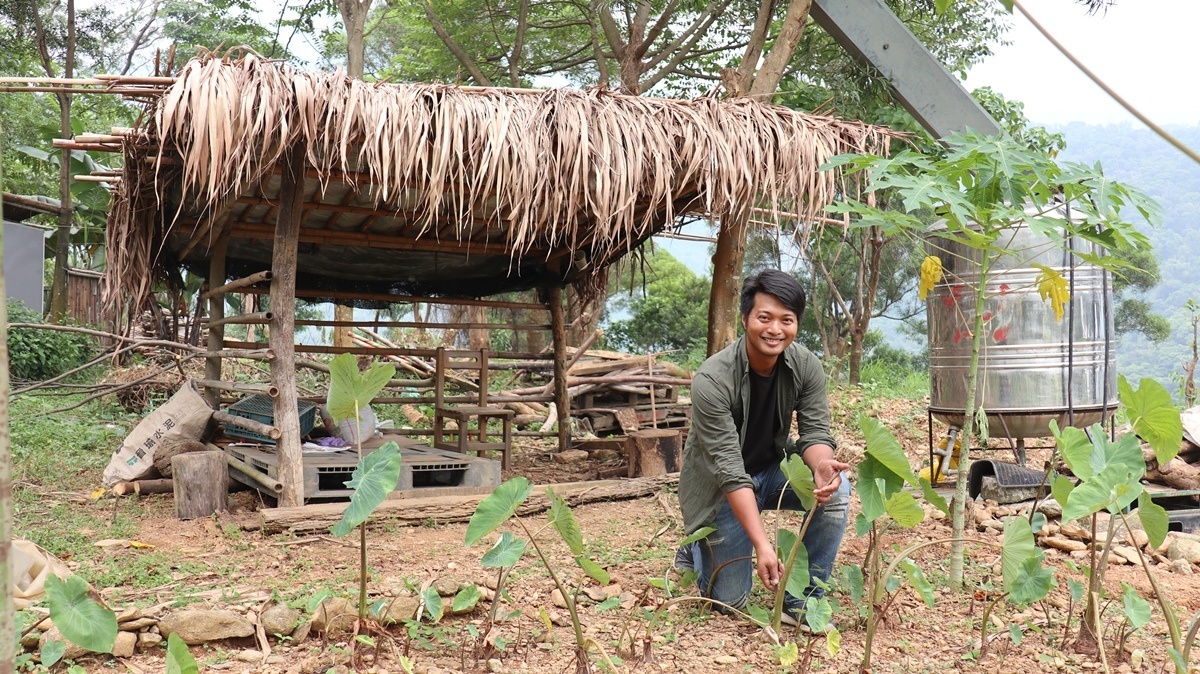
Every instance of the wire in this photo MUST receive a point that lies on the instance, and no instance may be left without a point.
(1163, 133)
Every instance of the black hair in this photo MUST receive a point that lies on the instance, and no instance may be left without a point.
(780, 285)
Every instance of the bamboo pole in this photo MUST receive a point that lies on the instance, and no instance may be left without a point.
(282, 336)
(249, 471)
(249, 424)
(264, 389)
(261, 318)
(422, 324)
(401, 299)
(250, 280)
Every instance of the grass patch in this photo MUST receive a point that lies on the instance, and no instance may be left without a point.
(883, 379)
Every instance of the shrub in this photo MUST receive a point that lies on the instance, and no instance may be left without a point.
(35, 355)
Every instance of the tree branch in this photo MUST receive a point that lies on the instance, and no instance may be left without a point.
(459, 53)
(519, 42)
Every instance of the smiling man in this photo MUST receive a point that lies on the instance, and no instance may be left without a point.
(743, 401)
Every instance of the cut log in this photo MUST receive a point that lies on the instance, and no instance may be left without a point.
(144, 487)
(200, 484)
(653, 452)
(169, 448)
(446, 509)
(1180, 474)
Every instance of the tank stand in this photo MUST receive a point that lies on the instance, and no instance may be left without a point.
(1018, 449)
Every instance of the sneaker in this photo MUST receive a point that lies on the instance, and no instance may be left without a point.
(795, 618)
(685, 558)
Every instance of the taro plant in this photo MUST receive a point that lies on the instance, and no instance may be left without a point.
(81, 619)
(377, 473)
(500, 507)
(976, 191)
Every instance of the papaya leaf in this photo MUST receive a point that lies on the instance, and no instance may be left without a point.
(903, 508)
(1154, 519)
(506, 552)
(564, 522)
(1137, 610)
(466, 599)
(800, 477)
(433, 603)
(374, 478)
(179, 658)
(884, 448)
(697, 535)
(1154, 416)
(495, 510)
(81, 619)
(349, 391)
(593, 570)
(935, 499)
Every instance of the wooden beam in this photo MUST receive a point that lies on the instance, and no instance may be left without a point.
(388, 351)
(239, 283)
(258, 230)
(400, 299)
(282, 330)
(420, 324)
(562, 400)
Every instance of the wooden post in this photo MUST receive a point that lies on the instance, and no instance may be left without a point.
(653, 452)
(562, 399)
(282, 337)
(216, 312)
(200, 481)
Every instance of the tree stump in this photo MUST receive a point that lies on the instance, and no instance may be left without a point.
(170, 447)
(653, 452)
(200, 482)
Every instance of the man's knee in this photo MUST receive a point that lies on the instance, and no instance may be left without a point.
(840, 501)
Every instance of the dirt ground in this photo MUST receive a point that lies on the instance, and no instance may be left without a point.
(224, 562)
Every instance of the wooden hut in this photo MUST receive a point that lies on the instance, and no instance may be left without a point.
(340, 189)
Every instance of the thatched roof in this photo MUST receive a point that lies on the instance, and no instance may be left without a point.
(446, 190)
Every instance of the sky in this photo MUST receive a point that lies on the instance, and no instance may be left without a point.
(1146, 50)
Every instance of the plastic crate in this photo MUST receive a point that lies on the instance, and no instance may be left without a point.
(261, 408)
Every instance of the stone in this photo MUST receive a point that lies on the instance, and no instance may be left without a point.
(301, 633)
(1128, 553)
(1064, 544)
(137, 624)
(1076, 531)
(1181, 566)
(1050, 508)
(991, 490)
(571, 456)
(1136, 658)
(556, 598)
(279, 619)
(1184, 548)
(31, 639)
(725, 660)
(125, 644)
(198, 626)
(334, 616)
(72, 651)
(131, 613)
(448, 587)
(400, 609)
(148, 640)
(494, 665)
(605, 455)
(249, 656)
(1140, 538)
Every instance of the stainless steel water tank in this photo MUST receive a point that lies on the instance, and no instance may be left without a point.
(1029, 371)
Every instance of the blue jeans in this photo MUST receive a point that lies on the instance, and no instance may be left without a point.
(728, 548)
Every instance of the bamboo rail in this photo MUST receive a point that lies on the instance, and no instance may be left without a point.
(264, 389)
(423, 324)
(249, 471)
(260, 318)
(248, 424)
(405, 299)
(239, 283)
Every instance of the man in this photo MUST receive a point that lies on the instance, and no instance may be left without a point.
(742, 403)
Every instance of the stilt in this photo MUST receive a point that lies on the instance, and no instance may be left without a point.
(282, 328)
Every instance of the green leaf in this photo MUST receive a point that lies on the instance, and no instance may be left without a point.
(433, 603)
(81, 619)
(1014, 631)
(365, 640)
(1153, 416)
(179, 658)
(1032, 582)
(495, 510)
(1076, 450)
(315, 601)
(1076, 589)
(852, 578)
(788, 654)
(1154, 519)
(594, 570)
(466, 599)
(884, 448)
(609, 604)
(1018, 547)
(943, 5)
(759, 615)
(349, 391)
(564, 522)
(506, 552)
(1060, 488)
(801, 479)
(697, 535)
(1137, 610)
(903, 508)
(933, 498)
(374, 478)
(52, 652)
(876, 483)
(798, 579)
(833, 642)
(1177, 658)
(917, 579)
(862, 525)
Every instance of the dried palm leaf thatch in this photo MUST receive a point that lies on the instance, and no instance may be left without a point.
(553, 170)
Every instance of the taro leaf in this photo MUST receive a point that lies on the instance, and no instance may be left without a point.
(883, 447)
(81, 619)
(801, 479)
(759, 615)
(506, 552)
(904, 509)
(1060, 489)
(817, 613)
(1076, 450)
(349, 391)
(609, 604)
(1076, 590)
(1014, 631)
(687, 578)
(564, 522)
(433, 603)
(52, 652)
(852, 578)
(1018, 547)
(798, 579)
(319, 596)
(876, 483)
(593, 569)
(179, 658)
(1037, 522)
(697, 535)
(917, 579)
(1113, 488)
(1032, 582)
(1125, 452)
(1153, 416)
(1154, 519)
(1137, 610)
(789, 654)
(833, 642)
(1177, 658)
(374, 478)
(862, 525)
(933, 498)
(495, 510)
(365, 640)
(466, 599)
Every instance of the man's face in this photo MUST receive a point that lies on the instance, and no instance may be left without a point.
(770, 328)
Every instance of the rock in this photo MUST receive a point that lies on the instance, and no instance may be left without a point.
(148, 640)
(1136, 658)
(1075, 531)
(1140, 538)
(989, 524)
(137, 624)
(991, 490)
(1049, 529)
(571, 456)
(249, 656)
(125, 644)
(400, 609)
(1064, 544)
(1181, 566)
(725, 660)
(556, 598)
(1184, 548)
(72, 651)
(279, 619)
(605, 455)
(198, 626)
(31, 639)
(448, 587)
(131, 613)
(494, 665)
(1129, 554)
(301, 633)
(1049, 508)
(335, 615)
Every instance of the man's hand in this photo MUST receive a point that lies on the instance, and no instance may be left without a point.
(770, 569)
(827, 471)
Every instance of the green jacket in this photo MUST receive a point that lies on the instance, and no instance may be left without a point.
(712, 457)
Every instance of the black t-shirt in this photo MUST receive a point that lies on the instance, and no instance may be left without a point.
(758, 447)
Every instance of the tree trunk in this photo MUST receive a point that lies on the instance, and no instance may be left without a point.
(727, 281)
(282, 338)
(354, 18)
(341, 336)
(775, 63)
(62, 247)
(8, 631)
(479, 338)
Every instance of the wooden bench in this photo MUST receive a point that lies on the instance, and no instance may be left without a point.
(469, 439)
